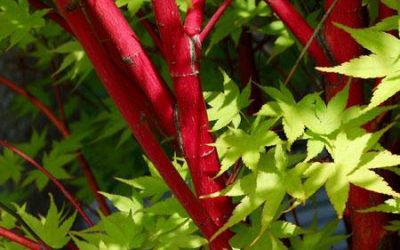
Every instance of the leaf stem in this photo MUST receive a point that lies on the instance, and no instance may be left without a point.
(214, 19)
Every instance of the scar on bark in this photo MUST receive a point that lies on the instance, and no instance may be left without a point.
(72, 5)
(127, 60)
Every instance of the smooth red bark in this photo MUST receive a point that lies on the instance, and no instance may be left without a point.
(121, 41)
(342, 47)
(300, 29)
(182, 51)
(21, 240)
(131, 106)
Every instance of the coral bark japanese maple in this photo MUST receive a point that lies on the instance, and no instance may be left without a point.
(332, 47)
(155, 112)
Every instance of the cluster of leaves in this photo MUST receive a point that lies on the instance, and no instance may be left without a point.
(277, 177)
(148, 218)
(287, 151)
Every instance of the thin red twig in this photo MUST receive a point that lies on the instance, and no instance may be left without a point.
(21, 240)
(214, 19)
(299, 27)
(53, 179)
(150, 29)
(61, 127)
(37, 103)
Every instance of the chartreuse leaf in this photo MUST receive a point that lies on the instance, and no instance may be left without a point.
(53, 228)
(392, 4)
(267, 187)
(226, 106)
(236, 143)
(353, 163)
(389, 206)
(17, 23)
(133, 6)
(318, 239)
(314, 148)
(383, 62)
(117, 231)
(245, 235)
(76, 64)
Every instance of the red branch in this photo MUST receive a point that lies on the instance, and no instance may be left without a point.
(182, 54)
(194, 17)
(342, 46)
(150, 29)
(21, 240)
(128, 53)
(59, 124)
(53, 179)
(130, 106)
(300, 29)
(214, 19)
(52, 14)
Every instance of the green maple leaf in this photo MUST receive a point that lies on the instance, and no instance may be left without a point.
(117, 231)
(246, 234)
(318, 238)
(17, 23)
(226, 106)
(353, 163)
(11, 164)
(236, 143)
(389, 206)
(265, 187)
(63, 153)
(383, 62)
(133, 6)
(76, 64)
(53, 228)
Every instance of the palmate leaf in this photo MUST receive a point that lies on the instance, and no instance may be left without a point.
(226, 106)
(353, 163)
(236, 143)
(52, 229)
(318, 239)
(17, 23)
(76, 64)
(311, 112)
(117, 231)
(246, 234)
(383, 62)
(265, 187)
(63, 153)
